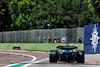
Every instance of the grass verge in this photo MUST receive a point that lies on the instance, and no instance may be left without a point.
(37, 46)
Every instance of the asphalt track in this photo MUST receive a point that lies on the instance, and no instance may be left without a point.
(91, 60)
(13, 58)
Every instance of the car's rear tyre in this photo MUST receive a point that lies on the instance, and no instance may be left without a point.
(53, 56)
(80, 57)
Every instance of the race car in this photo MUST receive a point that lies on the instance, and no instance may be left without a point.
(67, 54)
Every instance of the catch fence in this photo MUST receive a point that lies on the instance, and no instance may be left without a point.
(43, 35)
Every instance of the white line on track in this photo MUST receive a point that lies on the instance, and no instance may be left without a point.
(41, 60)
(36, 62)
(34, 58)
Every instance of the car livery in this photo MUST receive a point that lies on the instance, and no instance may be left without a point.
(66, 54)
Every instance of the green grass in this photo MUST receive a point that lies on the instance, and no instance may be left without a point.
(37, 46)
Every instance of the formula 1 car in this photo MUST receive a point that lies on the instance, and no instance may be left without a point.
(66, 53)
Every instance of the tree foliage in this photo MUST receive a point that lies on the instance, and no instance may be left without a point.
(94, 6)
(61, 14)
(37, 14)
(5, 18)
(20, 11)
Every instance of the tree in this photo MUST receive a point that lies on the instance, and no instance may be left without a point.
(61, 14)
(94, 6)
(49, 12)
(36, 14)
(21, 11)
(5, 18)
